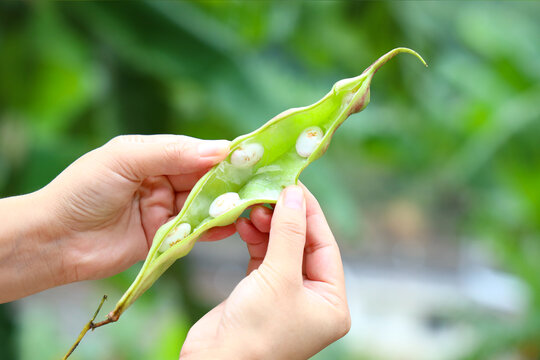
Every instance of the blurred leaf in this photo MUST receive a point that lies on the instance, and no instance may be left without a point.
(458, 141)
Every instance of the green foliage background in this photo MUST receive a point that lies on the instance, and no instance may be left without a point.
(461, 138)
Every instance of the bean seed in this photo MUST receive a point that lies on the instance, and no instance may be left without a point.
(308, 141)
(176, 235)
(224, 203)
(247, 155)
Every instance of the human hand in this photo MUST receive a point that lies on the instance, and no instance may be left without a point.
(292, 303)
(111, 201)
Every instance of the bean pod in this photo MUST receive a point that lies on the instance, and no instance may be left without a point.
(260, 165)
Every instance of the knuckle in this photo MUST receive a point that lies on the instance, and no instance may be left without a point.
(126, 139)
(267, 280)
(345, 323)
(276, 279)
(342, 322)
(173, 151)
(290, 228)
(116, 140)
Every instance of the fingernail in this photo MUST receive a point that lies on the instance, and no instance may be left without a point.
(294, 197)
(214, 148)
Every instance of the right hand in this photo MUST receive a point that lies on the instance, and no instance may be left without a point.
(292, 303)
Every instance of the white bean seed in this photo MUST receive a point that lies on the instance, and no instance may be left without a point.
(224, 203)
(308, 141)
(247, 155)
(177, 234)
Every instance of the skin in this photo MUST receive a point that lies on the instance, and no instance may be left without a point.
(99, 217)
(292, 302)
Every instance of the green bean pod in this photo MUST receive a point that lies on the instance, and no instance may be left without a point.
(259, 166)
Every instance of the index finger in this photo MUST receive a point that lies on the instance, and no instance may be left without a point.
(322, 256)
(185, 182)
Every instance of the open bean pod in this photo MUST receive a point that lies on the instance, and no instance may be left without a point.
(259, 166)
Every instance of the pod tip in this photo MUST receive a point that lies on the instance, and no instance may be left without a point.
(389, 55)
(410, 51)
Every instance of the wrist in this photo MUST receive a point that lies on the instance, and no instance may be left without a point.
(30, 250)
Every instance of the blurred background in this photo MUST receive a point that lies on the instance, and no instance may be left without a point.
(433, 191)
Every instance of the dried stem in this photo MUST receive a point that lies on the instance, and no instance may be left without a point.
(89, 326)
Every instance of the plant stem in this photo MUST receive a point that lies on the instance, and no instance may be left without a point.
(89, 326)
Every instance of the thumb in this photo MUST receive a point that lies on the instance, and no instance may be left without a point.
(288, 232)
(140, 156)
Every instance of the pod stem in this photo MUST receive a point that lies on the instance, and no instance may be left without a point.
(90, 326)
(384, 59)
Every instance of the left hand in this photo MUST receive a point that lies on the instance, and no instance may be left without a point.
(99, 216)
(112, 200)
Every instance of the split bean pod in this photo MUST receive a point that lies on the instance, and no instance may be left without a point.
(259, 166)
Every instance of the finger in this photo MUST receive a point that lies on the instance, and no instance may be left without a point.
(155, 204)
(288, 233)
(322, 257)
(218, 233)
(256, 241)
(180, 200)
(186, 182)
(139, 156)
(249, 233)
(261, 217)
